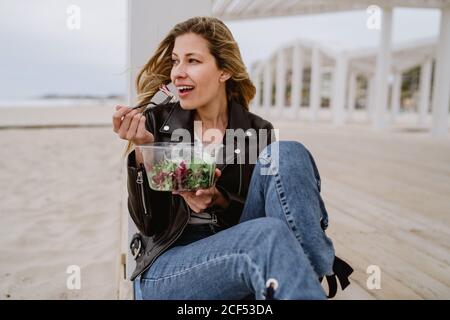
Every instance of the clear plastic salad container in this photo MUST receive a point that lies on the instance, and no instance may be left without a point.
(172, 166)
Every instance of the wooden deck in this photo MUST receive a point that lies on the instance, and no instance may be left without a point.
(388, 198)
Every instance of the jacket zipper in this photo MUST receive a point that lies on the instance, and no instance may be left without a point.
(140, 181)
(240, 179)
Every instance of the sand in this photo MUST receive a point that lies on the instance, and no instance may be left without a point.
(60, 204)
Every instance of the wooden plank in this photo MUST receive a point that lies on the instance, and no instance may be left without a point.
(391, 288)
(393, 220)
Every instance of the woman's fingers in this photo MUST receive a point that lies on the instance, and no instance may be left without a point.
(203, 192)
(132, 130)
(205, 197)
(200, 199)
(217, 174)
(142, 134)
(117, 117)
(195, 203)
(126, 124)
(192, 204)
(195, 208)
(188, 195)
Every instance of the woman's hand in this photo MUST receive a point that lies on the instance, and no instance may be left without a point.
(204, 198)
(130, 125)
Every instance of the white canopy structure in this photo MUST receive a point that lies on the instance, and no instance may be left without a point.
(251, 9)
(344, 65)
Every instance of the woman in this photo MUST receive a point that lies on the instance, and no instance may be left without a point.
(252, 228)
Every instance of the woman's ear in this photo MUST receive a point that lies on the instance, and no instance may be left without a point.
(224, 76)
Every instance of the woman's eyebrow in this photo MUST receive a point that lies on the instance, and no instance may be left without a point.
(188, 54)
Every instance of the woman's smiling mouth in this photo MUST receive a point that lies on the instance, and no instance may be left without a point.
(183, 91)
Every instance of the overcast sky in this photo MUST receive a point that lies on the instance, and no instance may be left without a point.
(40, 55)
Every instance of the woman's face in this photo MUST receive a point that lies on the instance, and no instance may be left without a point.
(194, 67)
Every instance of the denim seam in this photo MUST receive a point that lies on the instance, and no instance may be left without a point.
(252, 263)
(287, 212)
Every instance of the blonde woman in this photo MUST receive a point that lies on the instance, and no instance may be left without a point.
(250, 229)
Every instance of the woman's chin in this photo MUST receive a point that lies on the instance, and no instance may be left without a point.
(187, 105)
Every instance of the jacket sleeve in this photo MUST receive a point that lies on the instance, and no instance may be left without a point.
(148, 208)
(231, 215)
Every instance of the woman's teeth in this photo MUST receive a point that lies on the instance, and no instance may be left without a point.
(185, 88)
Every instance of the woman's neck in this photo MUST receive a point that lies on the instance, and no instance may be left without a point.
(215, 114)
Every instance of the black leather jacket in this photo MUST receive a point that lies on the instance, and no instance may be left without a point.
(160, 216)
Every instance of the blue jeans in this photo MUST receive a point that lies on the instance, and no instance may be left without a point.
(279, 237)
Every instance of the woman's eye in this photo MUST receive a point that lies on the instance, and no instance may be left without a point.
(174, 61)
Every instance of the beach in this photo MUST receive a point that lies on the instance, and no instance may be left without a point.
(60, 204)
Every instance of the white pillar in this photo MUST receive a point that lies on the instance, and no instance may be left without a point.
(297, 78)
(267, 94)
(424, 87)
(316, 74)
(280, 96)
(382, 70)
(370, 97)
(146, 28)
(395, 97)
(351, 94)
(441, 91)
(339, 89)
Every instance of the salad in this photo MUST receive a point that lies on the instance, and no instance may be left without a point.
(169, 175)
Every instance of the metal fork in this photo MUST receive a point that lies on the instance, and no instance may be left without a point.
(170, 98)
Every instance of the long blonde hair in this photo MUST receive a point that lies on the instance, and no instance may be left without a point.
(222, 46)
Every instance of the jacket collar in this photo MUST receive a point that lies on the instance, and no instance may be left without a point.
(180, 118)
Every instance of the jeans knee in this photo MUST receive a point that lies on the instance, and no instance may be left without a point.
(270, 227)
(294, 149)
(285, 154)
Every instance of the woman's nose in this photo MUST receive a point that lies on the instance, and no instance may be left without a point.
(179, 71)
